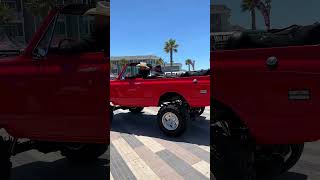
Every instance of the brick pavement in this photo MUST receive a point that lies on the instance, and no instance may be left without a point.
(139, 150)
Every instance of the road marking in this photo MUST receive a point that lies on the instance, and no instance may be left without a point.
(149, 142)
(138, 167)
(203, 167)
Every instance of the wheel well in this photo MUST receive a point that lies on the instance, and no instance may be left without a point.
(216, 104)
(170, 96)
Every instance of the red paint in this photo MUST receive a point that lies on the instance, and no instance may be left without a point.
(62, 98)
(140, 92)
(259, 95)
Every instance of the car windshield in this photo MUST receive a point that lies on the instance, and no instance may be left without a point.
(19, 20)
(131, 71)
(266, 23)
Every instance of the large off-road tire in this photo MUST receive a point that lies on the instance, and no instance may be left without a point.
(297, 150)
(196, 112)
(83, 153)
(111, 113)
(173, 118)
(136, 110)
(232, 155)
(5, 163)
(280, 161)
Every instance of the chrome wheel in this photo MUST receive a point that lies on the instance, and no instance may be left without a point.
(170, 121)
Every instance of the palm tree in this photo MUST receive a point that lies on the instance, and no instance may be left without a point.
(5, 17)
(250, 5)
(39, 8)
(188, 63)
(160, 61)
(171, 46)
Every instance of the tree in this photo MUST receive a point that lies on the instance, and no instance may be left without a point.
(264, 6)
(171, 46)
(123, 62)
(160, 61)
(188, 63)
(39, 8)
(250, 5)
(5, 14)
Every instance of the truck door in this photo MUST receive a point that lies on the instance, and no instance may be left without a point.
(126, 90)
(73, 90)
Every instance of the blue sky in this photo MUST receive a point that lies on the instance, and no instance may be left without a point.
(141, 27)
(283, 13)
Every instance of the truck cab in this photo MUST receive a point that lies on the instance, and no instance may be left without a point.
(55, 93)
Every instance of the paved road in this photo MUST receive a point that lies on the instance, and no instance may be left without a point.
(33, 165)
(308, 168)
(139, 150)
(129, 130)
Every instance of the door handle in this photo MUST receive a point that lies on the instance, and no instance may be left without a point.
(272, 62)
(137, 83)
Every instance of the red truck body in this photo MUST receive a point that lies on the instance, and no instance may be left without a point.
(60, 98)
(139, 92)
(280, 105)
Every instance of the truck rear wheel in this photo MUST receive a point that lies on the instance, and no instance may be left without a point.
(5, 163)
(231, 155)
(196, 112)
(83, 153)
(136, 110)
(172, 119)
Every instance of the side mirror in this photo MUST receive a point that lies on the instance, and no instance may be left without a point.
(39, 54)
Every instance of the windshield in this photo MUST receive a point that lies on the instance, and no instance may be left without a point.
(19, 20)
(267, 23)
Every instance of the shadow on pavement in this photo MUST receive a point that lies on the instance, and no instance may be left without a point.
(197, 131)
(292, 176)
(63, 170)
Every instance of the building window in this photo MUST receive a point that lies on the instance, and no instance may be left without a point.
(14, 30)
(61, 28)
(12, 4)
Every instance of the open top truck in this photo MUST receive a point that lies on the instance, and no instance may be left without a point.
(265, 100)
(179, 98)
(55, 100)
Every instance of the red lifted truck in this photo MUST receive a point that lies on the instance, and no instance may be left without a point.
(266, 101)
(180, 98)
(58, 101)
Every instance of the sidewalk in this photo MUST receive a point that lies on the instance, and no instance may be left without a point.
(140, 151)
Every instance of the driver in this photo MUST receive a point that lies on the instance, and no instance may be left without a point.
(100, 38)
(144, 70)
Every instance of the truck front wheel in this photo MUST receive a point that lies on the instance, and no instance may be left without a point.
(172, 119)
(136, 110)
(83, 153)
(5, 163)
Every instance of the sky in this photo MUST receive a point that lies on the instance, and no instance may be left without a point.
(283, 13)
(141, 27)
